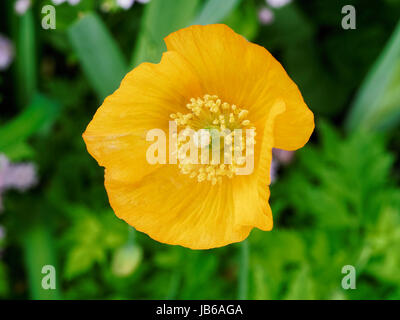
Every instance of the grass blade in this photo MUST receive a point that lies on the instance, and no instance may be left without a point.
(215, 11)
(99, 55)
(377, 104)
(40, 114)
(160, 19)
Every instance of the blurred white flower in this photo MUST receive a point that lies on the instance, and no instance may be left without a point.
(266, 16)
(126, 260)
(6, 52)
(278, 3)
(18, 176)
(21, 6)
(71, 2)
(125, 4)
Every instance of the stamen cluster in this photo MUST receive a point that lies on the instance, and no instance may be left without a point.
(213, 122)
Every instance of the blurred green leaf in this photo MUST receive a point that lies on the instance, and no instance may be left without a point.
(377, 104)
(384, 244)
(19, 151)
(272, 266)
(340, 194)
(89, 239)
(99, 55)
(81, 259)
(67, 13)
(262, 282)
(243, 279)
(244, 20)
(294, 37)
(159, 20)
(215, 11)
(4, 283)
(39, 115)
(340, 184)
(301, 286)
(205, 267)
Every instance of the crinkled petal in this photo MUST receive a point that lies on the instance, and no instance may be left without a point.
(251, 193)
(247, 75)
(116, 137)
(174, 209)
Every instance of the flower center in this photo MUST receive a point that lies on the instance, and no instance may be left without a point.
(213, 125)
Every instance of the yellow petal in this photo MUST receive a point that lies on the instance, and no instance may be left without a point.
(247, 75)
(174, 209)
(116, 137)
(251, 193)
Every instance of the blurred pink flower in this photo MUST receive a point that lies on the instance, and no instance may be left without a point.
(266, 16)
(21, 6)
(279, 157)
(282, 156)
(17, 176)
(6, 52)
(274, 170)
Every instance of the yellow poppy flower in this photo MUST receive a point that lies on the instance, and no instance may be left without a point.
(209, 77)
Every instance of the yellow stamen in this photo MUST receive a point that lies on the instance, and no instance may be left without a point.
(211, 113)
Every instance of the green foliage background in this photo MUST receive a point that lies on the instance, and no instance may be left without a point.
(336, 204)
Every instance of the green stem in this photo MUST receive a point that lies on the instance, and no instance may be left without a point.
(131, 235)
(39, 251)
(243, 270)
(26, 63)
(174, 286)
